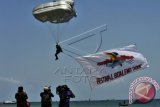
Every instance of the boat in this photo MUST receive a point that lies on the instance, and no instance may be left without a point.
(123, 104)
(9, 102)
(55, 12)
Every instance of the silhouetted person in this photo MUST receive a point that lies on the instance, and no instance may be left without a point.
(64, 94)
(58, 50)
(46, 97)
(21, 98)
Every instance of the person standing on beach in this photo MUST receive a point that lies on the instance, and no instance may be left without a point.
(46, 97)
(64, 94)
(21, 98)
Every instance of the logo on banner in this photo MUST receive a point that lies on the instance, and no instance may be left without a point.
(115, 59)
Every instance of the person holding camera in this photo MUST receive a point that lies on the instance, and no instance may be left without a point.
(46, 97)
(64, 94)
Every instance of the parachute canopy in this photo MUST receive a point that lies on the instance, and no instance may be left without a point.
(60, 11)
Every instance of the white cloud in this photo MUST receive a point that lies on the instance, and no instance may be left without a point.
(9, 80)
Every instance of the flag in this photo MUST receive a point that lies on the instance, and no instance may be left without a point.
(112, 64)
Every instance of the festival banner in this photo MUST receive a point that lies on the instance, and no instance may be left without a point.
(112, 64)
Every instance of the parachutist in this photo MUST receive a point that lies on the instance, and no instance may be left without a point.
(58, 50)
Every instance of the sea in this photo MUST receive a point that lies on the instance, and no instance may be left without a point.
(107, 103)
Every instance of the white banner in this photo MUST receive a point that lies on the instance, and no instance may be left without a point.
(112, 64)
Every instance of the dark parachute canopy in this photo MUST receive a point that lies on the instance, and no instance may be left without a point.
(59, 11)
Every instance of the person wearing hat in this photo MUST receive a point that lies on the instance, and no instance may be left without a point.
(46, 97)
(21, 98)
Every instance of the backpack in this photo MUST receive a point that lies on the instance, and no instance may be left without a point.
(46, 99)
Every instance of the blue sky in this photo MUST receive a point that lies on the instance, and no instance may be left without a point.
(27, 45)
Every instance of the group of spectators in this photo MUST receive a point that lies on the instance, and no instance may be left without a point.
(46, 97)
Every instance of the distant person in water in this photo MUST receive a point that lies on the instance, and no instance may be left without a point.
(21, 98)
(58, 50)
(64, 94)
(46, 97)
